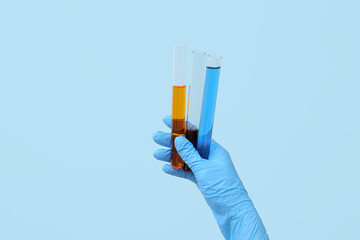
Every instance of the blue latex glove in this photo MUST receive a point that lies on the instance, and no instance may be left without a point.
(218, 182)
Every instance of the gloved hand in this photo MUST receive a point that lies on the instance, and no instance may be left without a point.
(218, 182)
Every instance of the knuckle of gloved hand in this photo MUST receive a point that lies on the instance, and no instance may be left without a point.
(185, 154)
(180, 143)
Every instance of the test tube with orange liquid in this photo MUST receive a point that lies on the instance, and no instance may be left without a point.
(178, 102)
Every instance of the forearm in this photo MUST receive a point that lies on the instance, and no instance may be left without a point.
(248, 225)
(240, 221)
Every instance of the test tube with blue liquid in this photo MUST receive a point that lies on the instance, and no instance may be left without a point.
(213, 65)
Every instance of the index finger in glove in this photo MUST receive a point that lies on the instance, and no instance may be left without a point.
(162, 138)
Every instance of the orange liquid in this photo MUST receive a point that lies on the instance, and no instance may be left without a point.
(178, 123)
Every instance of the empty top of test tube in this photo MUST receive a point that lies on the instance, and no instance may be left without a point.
(196, 88)
(180, 57)
(198, 68)
(213, 61)
(198, 64)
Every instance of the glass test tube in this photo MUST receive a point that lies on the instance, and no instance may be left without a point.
(195, 96)
(178, 101)
(208, 105)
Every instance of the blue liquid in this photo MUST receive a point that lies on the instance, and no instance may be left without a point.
(208, 111)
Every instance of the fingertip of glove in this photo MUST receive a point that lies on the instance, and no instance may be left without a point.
(167, 168)
(167, 120)
(155, 135)
(156, 154)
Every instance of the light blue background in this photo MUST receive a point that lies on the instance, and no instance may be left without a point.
(84, 84)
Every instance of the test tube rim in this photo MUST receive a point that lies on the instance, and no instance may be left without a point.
(180, 44)
(196, 52)
(214, 56)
